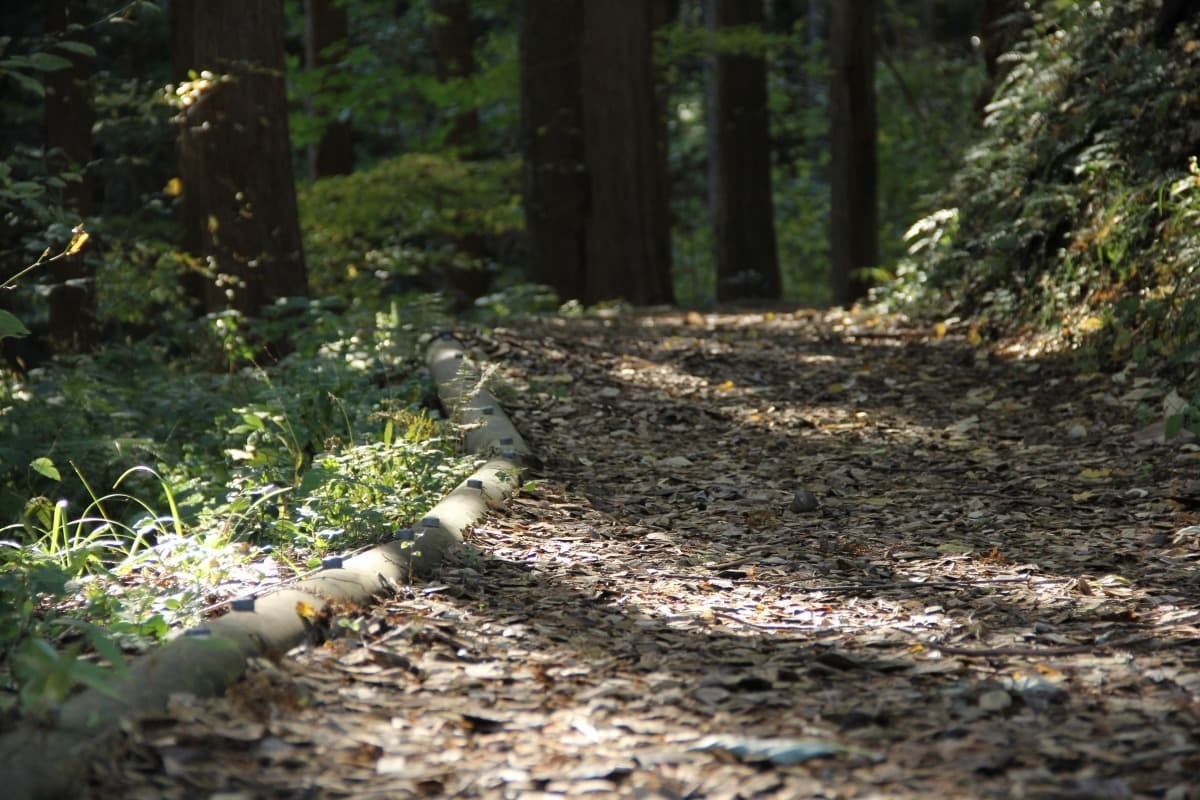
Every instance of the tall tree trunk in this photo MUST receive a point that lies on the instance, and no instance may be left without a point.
(68, 119)
(326, 25)
(627, 236)
(853, 169)
(555, 182)
(454, 57)
(739, 166)
(663, 13)
(239, 195)
(454, 53)
(1171, 14)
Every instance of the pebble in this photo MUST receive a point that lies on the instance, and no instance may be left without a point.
(804, 500)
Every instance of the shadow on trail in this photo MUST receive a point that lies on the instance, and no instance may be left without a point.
(833, 636)
(1029, 443)
(915, 713)
(658, 588)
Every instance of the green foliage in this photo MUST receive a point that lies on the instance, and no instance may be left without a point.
(222, 473)
(227, 451)
(689, 41)
(927, 119)
(925, 93)
(383, 82)
(1076, 210)
(39, 646)
(392, 226)
(130, 142)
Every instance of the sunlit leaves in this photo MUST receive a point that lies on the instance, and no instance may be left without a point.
(379, 223)
(190, 92)
(1076, 212)
(45, 467)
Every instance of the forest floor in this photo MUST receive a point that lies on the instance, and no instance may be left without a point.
(997, 593)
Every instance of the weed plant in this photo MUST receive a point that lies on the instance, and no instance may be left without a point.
(1075, 213)
(147, 482)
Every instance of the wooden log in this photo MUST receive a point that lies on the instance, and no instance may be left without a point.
(46, 761)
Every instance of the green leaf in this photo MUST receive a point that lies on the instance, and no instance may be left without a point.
(45, 467)
(29, 84)
(77, 47)
(26, 188)
(45, 62)
(10, 326)
(93, 676)
(1174, 425)
(254, 421)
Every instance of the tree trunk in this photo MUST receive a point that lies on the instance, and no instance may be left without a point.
(1171, 14)
(853, 169)
(739, 167)
(663, 13)
(454, 53)
(326, 25)
(454, 57)
(239, 196)
(555, 182)
(627, 236)
(68, 115)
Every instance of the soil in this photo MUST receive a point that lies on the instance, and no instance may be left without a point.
(765, 555)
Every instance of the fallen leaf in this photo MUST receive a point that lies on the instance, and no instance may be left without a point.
(780, 751)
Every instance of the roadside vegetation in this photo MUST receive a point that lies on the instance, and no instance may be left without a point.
(150, 481)
(1072, 224)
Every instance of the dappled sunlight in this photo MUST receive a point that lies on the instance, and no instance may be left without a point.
(769, 490)
(954, 530)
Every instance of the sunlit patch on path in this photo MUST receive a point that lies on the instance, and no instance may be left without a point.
(769, 556)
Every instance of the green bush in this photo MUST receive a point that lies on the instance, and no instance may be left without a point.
(1076, 211)
(395, 225)
(136, 483)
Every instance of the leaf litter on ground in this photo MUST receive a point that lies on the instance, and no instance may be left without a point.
(983, 603)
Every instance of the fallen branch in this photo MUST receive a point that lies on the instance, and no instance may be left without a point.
(1038, 652)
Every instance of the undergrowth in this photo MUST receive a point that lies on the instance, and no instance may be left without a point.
(146, 483)
(1075, 213)
(400, 225)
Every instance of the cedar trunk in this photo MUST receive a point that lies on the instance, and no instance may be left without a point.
(326, 26)
(69, 116)
(627, 241)
(454, 53)
(555, 183)
(739, 152)
(853, 169)
(239, 196)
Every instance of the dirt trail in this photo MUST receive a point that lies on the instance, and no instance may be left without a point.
(997, 595)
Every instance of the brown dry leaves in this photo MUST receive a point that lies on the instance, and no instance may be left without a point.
(997, 595)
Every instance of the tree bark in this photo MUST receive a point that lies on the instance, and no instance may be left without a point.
(628, 235)
(854, 209)
(454, 52)
(555, 182)
(326, 25)
(68, 119)
(1171, 14)
(239, 197)
(739, 167)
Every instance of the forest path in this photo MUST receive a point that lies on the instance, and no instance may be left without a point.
(997, 596)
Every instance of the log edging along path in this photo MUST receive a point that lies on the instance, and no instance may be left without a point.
(47, 760)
